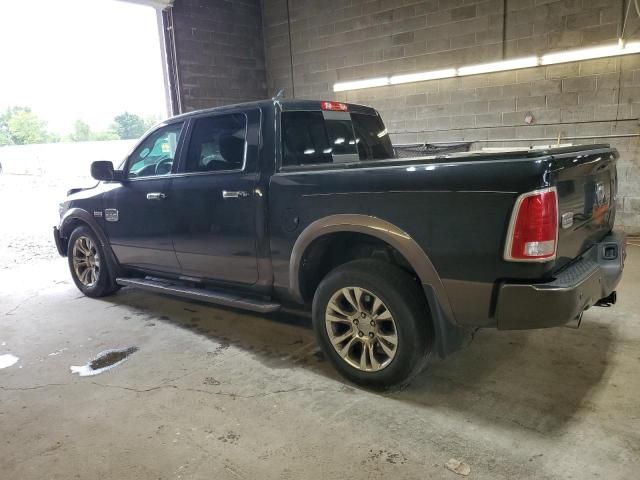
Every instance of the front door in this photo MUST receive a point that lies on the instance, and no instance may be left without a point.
(136, 211)
(213, 205)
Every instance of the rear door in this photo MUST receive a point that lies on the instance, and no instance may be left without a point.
(213, 199)
(136, 210)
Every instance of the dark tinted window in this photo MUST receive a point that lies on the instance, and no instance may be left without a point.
(155, 154)
(217, 143)
(341, 137)
(304, 139)
(371, 137)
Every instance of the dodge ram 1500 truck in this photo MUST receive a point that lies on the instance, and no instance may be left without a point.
(270, 204)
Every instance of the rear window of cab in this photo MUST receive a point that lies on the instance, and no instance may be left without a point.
(322, 137)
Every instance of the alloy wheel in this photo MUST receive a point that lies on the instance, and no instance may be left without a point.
(86, 261)
(361, 329)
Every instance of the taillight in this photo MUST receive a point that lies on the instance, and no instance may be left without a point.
(533, 231)
(337, 106)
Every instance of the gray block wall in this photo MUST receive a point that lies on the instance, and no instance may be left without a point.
(323, 42)
(219, 52)
(334, 41)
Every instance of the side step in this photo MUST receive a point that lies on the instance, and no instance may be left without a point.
(210, 296)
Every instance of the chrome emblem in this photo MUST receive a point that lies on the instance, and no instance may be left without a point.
(111, 215)
(97, 213)
(567, 219)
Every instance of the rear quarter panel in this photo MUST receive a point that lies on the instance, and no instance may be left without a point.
(458, 212)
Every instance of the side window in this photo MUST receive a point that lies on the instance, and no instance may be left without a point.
(304, 139)
(217, 143)
(155, 155)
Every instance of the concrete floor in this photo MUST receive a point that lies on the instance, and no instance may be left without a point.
(215, 393)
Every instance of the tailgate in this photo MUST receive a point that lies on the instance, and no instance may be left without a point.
(587, 188)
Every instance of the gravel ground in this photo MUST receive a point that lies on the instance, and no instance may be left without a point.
(28, 211)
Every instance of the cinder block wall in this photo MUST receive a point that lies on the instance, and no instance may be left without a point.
(219, 52)
(335, 41)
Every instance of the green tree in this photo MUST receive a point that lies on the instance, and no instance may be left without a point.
(5, 134)
(150, 121)
(105, 135)
(128, 125)
(81, 132)
(20, 126)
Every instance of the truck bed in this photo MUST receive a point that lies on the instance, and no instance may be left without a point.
(465, 201)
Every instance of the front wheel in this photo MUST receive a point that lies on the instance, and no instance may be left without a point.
(371, 320)
(88, 265)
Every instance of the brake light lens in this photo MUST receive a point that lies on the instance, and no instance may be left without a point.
(533, 231)
(336, 106)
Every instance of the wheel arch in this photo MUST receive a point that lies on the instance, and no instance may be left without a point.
(375, 227)
(76, 217)
(449, 336)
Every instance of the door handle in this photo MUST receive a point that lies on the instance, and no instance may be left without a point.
(156, 196)
(236, 194)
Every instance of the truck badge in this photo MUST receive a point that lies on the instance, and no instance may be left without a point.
(111, 215)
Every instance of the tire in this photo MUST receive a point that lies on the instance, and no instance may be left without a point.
(400, 298)
(91, 276)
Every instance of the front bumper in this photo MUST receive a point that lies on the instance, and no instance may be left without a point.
(594, 276)
(58, 240)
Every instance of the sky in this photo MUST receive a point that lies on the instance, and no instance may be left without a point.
(80, 59)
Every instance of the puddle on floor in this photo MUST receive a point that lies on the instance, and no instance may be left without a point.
(7, 360)
(104, 361)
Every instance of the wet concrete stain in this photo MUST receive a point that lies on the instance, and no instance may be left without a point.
(219, 349)
(230, 437)
(389, 457)
(104, 361)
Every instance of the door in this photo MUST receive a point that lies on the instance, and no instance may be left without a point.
(136, 210)
(212, 197)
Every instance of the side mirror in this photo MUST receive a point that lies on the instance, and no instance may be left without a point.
(103, 170)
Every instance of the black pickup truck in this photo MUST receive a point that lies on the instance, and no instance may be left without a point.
(272, 204)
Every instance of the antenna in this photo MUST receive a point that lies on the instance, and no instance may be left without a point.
(279, 95)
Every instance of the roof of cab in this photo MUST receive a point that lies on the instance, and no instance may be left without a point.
(286, 104)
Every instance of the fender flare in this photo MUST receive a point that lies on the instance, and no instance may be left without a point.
(84, 216)
(88, 219)
(381, 229)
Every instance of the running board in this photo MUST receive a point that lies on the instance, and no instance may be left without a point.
(210, 296)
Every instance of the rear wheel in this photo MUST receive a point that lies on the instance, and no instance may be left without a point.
(371, 320)
(87, 263)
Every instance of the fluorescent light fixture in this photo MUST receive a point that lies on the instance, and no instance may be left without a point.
(357, 84)
(613, 50)
(589, 53)
(499, 66)
(422, 76)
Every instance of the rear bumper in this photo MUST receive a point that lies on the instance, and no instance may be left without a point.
(594, 276)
